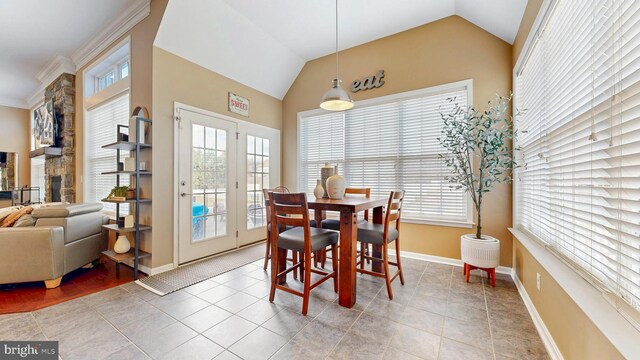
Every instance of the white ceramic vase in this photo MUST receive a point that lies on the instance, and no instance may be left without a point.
(482, 253)
(336, 186)
(318, 192)
(122, 245)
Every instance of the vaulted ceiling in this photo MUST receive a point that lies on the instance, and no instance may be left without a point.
(262, 44)
(265, 44)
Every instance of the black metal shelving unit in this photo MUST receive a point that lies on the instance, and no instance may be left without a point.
(132, 258)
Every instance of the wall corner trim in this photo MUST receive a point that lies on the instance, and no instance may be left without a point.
(545, 335)
(129, 18)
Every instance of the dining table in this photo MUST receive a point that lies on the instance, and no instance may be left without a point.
(348, 207)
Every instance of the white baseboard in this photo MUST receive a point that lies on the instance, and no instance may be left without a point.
(156, 270)
(444, 260)
(545, 335)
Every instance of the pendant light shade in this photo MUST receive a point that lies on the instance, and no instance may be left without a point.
(336, 99)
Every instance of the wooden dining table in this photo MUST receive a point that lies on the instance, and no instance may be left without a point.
(348, 207)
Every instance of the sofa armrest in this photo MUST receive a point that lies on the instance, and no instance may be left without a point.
(65, 210)
(31, 254)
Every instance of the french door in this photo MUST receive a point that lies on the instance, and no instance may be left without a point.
(223, 165)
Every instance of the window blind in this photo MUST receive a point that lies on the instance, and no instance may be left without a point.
(101, 129)
(579, 188)
(388, 145)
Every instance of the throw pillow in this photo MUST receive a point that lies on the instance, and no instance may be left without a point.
(4, 212)
(11, 219)
(25, 221)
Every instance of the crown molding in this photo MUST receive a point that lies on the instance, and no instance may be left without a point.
(138, 10)
(36, 98)
(12, 102)
(55, 68)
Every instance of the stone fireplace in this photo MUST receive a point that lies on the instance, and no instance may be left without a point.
(62, 91)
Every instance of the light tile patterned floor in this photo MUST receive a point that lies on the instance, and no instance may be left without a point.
(436, 315)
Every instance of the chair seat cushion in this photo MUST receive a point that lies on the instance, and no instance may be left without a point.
(334, 224)
(293, 239)
(374, 233)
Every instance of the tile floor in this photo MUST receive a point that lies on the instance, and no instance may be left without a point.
(436, 315)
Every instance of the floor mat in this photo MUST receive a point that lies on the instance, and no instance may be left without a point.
(176, 279)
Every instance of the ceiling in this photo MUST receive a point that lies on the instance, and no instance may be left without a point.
(265, 44)
(262, 44)
(35, 32)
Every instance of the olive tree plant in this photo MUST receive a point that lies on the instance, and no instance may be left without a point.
(479, 145)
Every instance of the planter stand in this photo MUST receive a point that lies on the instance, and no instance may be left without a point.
(491, 273)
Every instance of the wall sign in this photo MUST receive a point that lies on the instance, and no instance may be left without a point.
(368, 83)
(238, 104)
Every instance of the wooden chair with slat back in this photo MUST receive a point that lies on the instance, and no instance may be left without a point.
(383, 234)
(291, 210)
(334, 224)
(267, 255)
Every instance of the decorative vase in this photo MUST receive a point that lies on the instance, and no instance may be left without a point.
(318, 192)
(336, 185)
(122, 245)
(325, 173)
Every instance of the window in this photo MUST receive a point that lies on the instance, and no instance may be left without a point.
(579, 188)
(387, 144)
(257, 179)
(101, 128)
(123, 69)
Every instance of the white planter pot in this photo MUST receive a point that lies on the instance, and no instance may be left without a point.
(481, 253)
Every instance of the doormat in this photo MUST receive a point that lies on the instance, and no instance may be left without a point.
(187, 275)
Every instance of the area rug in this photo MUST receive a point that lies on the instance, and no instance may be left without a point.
(187, 275)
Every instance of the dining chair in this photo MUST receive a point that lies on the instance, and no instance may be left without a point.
(334, 224)
(293, 210)
(383, 234)
(267, 255)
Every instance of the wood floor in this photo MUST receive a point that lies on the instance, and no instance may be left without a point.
(33, 296)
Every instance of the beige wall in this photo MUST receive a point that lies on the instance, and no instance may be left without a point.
(178, 80)
(441, 52)
(530, 14)
(15, 137)
(573, 332)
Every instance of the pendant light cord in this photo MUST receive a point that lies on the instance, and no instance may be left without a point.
(337, 77)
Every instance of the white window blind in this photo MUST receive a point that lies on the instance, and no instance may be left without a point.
(101, 129)
(579, 188)
(388, 145)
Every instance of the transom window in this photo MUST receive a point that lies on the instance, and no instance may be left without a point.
(387, 144)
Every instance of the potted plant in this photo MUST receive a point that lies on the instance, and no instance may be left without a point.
(480, 156)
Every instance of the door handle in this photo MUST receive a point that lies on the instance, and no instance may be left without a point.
(185, 194)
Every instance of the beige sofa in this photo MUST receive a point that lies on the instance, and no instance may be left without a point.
(64, 238)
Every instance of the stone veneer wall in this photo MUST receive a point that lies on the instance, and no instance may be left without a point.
(11, 170)
(63, 92)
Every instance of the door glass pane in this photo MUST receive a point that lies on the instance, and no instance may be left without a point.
(257, 179)
(209, 172)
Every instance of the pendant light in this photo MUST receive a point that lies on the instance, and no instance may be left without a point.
(336, 99)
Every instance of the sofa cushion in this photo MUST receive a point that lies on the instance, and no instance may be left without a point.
(65, 210)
